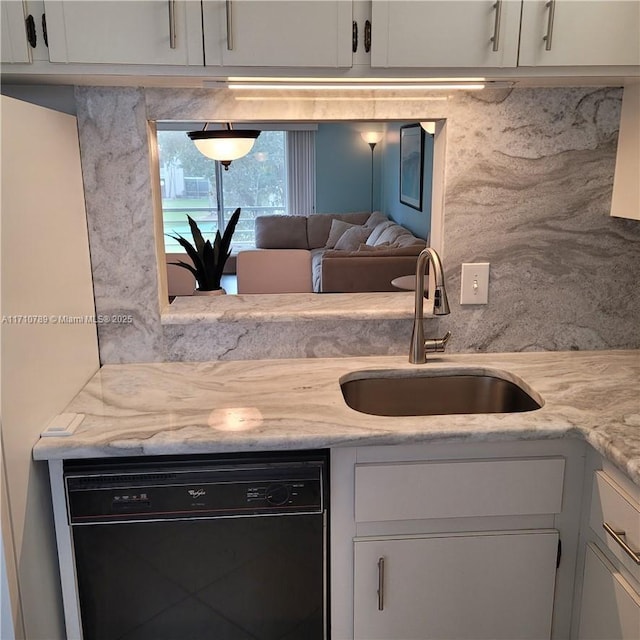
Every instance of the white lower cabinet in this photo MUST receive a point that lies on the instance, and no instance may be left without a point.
(608, 590)
(615, 519)
(453, 541)
(484, 585)
(610, 605)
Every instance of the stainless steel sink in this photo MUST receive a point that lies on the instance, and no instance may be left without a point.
(409, 393)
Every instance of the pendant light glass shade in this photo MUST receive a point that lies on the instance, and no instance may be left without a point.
(224, 145)
(429, 127)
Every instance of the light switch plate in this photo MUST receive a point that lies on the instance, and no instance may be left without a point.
(474, 283)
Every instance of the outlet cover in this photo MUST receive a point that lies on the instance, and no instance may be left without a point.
(474, 283)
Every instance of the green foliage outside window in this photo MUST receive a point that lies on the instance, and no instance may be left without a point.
(255, 183)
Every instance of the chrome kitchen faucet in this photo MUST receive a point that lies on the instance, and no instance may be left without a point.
(419, 346)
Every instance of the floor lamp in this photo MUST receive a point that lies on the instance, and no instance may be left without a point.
(372, 138)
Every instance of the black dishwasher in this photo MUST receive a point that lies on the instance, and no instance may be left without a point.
(185, 548)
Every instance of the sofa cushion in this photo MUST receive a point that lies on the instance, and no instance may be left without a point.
(363, 270)
(319, 224)
(377, 232)
(378, 252)
(351, 239)
(281, 232)
(274, 271)
(316, 269)
(338, 227)
(368, 247)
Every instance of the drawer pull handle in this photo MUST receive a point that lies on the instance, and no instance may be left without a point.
(229, 14)
(380, 584)
(172, 24)
(619, 536)
(551, 6)
(495, 38)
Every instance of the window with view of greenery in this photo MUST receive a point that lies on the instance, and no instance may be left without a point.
(195, 185)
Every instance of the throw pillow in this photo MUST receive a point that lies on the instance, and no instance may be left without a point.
(375, 219)
(392, 234)
(281, 232)
(338, 227)
(377, 232)
(351, 239)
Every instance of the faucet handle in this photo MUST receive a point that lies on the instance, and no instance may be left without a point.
(437, 345)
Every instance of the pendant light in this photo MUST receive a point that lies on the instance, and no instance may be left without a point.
(224, 145)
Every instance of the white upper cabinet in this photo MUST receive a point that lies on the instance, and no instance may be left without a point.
(255, 33)
(580, 33)
(163, 32)
(425, 35)
(442, 33)
(625, 200)
(15, 47)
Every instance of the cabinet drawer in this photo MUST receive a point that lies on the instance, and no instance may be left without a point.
(610, 606)
(423, 490)
(613, 506)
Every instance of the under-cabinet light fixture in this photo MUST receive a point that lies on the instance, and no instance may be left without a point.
(341, 97)
(224, 145)
(356, 86)
(348, 84)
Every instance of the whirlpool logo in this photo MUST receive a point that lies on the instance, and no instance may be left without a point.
(197, 493)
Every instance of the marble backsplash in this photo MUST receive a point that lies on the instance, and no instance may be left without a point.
(528, 183)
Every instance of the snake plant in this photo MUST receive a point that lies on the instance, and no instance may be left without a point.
(208, 259)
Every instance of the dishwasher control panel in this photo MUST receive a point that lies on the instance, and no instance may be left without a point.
(189, 493)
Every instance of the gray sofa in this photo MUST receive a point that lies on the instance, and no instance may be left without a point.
(351, 252)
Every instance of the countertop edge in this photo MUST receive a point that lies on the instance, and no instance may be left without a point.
(185, 408)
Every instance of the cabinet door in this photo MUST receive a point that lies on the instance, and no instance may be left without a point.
(15, 47)
(580, 33)
(488, 585)
(441, 33)
(273, 33)
(625, 199)
(133, 32)
(610, 606)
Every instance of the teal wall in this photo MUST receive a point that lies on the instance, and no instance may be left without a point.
(418, 222)
(343, 174)
(343, 169)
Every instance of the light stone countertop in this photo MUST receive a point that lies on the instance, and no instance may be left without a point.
(286, 307)
(248, 405)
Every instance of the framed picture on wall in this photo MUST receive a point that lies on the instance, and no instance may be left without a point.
(411, 165)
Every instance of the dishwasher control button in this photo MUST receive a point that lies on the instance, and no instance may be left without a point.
(277, 494)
